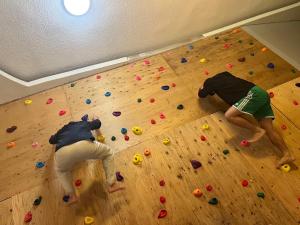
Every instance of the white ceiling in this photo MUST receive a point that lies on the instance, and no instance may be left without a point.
(39, 38)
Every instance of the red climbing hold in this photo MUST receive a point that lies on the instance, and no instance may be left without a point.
(162, 199)
(98, 77)
(28, 217)
(203, 138)
(226, 45)
(283, 127)
(163, 213)
(78, 183)
(271, 94)
(245, 183)
(229, 66)
(162, 183)
(244, 143)
(162, 116)
(299, 199)
(49, 101)
(146, 62)
(152, 100)
(161, 69)
(208, 187)
(173, 85)
(126, 137)
(153, 121)
(62, 112)
(206, 72)
(295, 102)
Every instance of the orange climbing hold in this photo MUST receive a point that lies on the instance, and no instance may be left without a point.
(10, 145)
(197, 192)
(147, 152)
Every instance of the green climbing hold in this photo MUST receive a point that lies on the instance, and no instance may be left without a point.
(113, 138)
(240, 41)
(251, 72)
(261, 195)
(180, 107)
(293, 71)
(73, 84)
(213, 201)
(139, 100)
(225, 151)
(251, 43)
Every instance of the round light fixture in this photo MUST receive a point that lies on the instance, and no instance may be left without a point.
(77, 7)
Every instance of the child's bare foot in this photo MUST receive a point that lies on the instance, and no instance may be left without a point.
(258, 134)
(73, 199)
(286, 159)
(115, 187)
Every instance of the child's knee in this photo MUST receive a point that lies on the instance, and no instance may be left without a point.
(228, 115)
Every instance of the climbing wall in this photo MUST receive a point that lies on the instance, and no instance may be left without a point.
(232, 184)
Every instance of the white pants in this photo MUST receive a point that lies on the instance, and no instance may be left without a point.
(68, 156)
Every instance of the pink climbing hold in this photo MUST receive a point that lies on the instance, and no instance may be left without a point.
(28, 217)
(146, 62)
(137, 77)
(34, 144)
(245, 183)
(162, 116)
(62, 112)
(49, 101)
(229, 66)
(244, 143)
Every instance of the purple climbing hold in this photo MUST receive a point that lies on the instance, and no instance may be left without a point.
(119, 176)
(165, 87)
(116, 113)
(183, 60)
(196, 164)
(271, 65)
(85, 118)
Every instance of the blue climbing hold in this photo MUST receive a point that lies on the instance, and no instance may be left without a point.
(183, 60)
(107, 94)
(165, 87)
(88, 101)
(66, 198)
(40, 165)
(85, 118)
(191, 47)
(271, 65)
(124, 130)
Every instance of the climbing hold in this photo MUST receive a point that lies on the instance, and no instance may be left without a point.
(85, 117)
(227, 45)
(11, 129)
(34, 144)
(62, 112)
(240, 41)
(37, 201)
(206, 72)
(235, 31)
(197, 192)
(165, 87)
(162, 199)
(98, 77)
(39, 165)
(124, 130)
(208, 187)
(116, 113)
(66, 198)
(180, 107)
(205, 127)
(271, 94)
(285, 168)
(283, 127)
(113, 138)
(271, 65)
(119, 176)
(216, 37)
(162, 183)
(139, 100)
(244, 143)
(245, 183)
(147, 152)
(88, 101)
(146, 62)
(162, 116)
(250, 72)
(11, 144)
(126, 138)
(251, 43)
(166, 141)
(264, 49)
(49, 101)
(28, 217)
(137, 130)
(107, 94)
(195, 164)
(190, 46)
(203, 138)
(252, 54)
(88, 220)
(203, 60)
(261, 195)
(163, 213)
(293, 70)
(183, 60)
(173, 85)
(72, 85)
(229, 66)
(137, 159)
(101, 138)
(152, 100)
(295, 102)
(225, 151)
(213, 201)
(297, 84)
(153, 121)
(161, 69)
(27, 101)
(242, 59)
(78, 183)
(137, 77)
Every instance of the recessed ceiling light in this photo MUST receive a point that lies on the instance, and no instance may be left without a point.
(77, 7)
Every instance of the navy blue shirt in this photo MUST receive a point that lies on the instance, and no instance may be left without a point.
(74, 132)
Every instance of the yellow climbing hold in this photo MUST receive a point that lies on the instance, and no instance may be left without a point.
(137, 130)
(203, 60)
(27, 101)
(285, 168)
(88, 220)
(137, 159)
(166, 141)
(205, 127)
(101, 138)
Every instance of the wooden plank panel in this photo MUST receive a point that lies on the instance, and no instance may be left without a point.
(6, 212)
